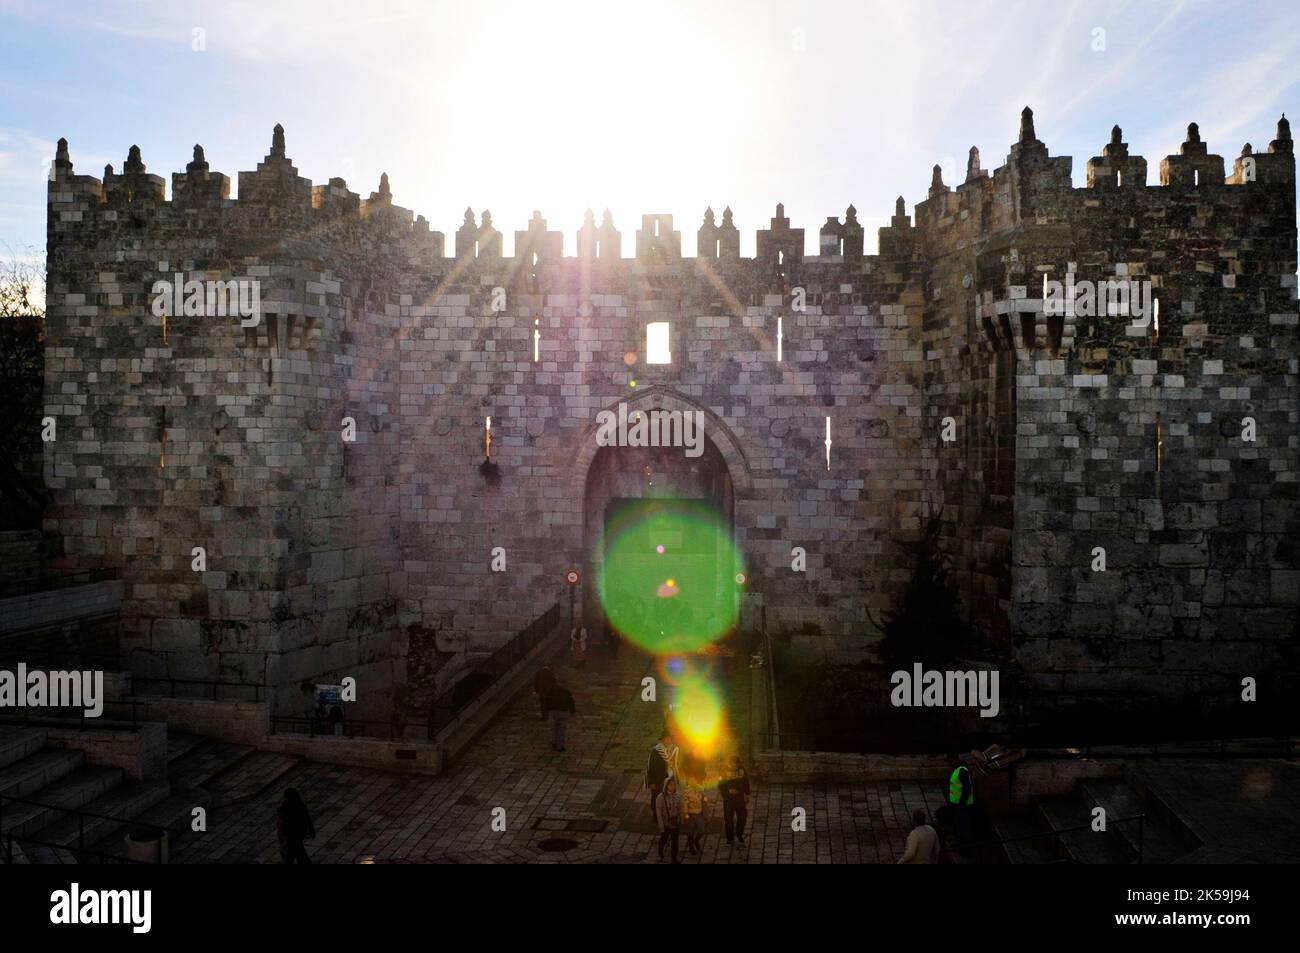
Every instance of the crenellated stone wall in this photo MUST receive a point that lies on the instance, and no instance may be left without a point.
(371, 557)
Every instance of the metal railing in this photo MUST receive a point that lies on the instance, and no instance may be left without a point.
(487, 673)
(61, 658)
(446, 706)
(81, 854)
(1245, 745)
(81, 817)
(346, 728)
(210, 688)
(1002, 841)
(50, 717)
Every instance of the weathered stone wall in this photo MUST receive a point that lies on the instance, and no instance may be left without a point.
(1200, 586)
(20, 556)
(372, 558)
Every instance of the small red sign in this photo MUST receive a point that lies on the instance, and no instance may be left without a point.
(572, 577)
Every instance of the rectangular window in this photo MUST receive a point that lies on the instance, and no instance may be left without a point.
(657, 350)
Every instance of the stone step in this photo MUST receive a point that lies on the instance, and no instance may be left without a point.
(1038, 850)
(249, 776)
(1119, 799)
(175, 812)
(17, 742)
(25, 777)
(41, 854)
(119, 809)
(1086, 846)
(71, 793)
(204, 762)
(1148, 780)
(181, 743)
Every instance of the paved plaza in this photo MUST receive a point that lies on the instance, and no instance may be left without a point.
(592, 796)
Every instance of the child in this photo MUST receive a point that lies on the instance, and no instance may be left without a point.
(694, 804)
(669, 809)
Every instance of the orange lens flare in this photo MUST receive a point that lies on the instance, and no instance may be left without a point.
(699, 718)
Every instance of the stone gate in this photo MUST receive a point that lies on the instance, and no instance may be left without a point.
(331, 461)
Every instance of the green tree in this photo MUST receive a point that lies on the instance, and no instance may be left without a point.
(22, 370)
(927, 626)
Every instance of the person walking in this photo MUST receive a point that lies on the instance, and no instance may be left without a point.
(657, 771)
(922, 841)
(694, 804)
(543, 682)
(670, 815)
(578, 645)
(733, 788)
(293, 826)
(672, 755)
(559, 704)
(960, 806)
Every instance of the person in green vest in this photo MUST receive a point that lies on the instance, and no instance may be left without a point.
(961, 798)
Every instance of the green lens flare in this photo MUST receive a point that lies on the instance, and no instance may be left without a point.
(668, 581)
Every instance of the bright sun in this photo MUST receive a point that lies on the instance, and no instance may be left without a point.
(598, 106)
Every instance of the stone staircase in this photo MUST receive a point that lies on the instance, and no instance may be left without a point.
(1163, 837)
(80, 804)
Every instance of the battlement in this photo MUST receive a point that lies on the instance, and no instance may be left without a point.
(329, 456)
(1032, 187)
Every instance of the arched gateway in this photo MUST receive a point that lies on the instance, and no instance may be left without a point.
(623, 488)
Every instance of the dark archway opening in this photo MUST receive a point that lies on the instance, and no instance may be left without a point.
(626, 484)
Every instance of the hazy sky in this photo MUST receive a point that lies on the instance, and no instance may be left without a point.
(638, 107)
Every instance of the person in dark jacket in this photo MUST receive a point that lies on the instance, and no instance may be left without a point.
(293, 826)
(559, 703)
(543, 682)
(733, 788)
(670, 813)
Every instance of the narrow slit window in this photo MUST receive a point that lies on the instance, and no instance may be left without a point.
(537, 340)
(1155, 319)
(717, 249)
(780, 338)
(828, 443)
(1160, 444)
(657, 348)
(1196, 177)
(487, 438)
(1119, 177)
